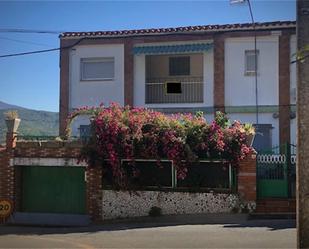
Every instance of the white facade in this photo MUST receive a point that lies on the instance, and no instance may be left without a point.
(239, 87)
(94, 92)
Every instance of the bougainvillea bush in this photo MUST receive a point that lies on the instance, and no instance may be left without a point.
(131, 133)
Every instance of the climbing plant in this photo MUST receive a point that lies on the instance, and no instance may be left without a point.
(131, 133)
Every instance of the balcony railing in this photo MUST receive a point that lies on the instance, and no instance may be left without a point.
(191, 90)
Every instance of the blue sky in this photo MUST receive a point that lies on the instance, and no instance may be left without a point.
(32, 81)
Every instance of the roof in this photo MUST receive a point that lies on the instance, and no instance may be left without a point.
(187, 29)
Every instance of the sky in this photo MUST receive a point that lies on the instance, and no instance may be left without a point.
(32, 81)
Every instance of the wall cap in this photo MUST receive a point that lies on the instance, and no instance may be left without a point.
(53, 162)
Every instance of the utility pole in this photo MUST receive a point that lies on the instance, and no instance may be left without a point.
(302, 126)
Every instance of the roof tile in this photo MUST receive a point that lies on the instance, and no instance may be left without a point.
(199, 28)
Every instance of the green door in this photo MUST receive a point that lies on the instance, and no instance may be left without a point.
(272, 180)
(53, 189)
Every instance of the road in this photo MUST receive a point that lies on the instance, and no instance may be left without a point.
(156, 234)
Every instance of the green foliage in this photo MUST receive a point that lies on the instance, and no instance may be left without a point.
(302, 54)
(249, 129)
(33, 123)
(199, 114)
(222, 120)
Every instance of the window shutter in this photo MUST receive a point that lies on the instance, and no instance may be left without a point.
(97, 69)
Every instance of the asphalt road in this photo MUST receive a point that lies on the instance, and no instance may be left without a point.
(190, 233)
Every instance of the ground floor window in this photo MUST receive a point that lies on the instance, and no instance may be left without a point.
(263, 137)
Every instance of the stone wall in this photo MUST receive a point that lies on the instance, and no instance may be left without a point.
(123, 204)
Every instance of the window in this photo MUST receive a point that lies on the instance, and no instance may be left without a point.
(207, 175)
(147, 175)
(97, 68)
(179, 65)
(84, 132)
(263, 137)
(250, 62)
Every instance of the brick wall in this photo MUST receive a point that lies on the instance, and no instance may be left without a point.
(53, 149)
(247, 178)
(64, 86)
(7, 173)
(128, 73)
(284, 88)
(7, 190)
(94, 193)
(219, 96)
(10, 177)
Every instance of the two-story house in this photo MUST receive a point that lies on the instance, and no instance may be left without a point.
(187, 69)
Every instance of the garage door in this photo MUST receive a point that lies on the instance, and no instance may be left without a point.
(53, 190)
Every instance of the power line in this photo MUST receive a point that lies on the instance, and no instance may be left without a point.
(42, 51)
(33, 31)
(22, 41)
(30, 52)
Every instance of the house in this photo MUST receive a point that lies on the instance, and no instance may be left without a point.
(187, 69)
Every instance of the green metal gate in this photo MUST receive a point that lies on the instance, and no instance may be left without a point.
(53, 189)
(276, 172)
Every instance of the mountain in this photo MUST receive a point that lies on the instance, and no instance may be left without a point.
(33, 123)
(5, 106)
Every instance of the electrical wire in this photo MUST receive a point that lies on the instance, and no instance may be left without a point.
(30, 52)
(22, 41)
(7, 30)
(42, 51)
(255, 64)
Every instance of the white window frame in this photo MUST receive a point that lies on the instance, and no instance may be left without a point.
(251, 53)
(94, 60)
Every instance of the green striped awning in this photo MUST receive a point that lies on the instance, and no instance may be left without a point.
(171, 49)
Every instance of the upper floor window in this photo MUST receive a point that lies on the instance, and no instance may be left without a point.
(250, 62)
(97, 68)
(179, 65)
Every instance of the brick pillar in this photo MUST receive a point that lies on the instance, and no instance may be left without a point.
(219, 98)
(64, 86)
(94, 193)
(7, 173)
(128, 73)
(247, 178)
(11, 138)
(284, 88)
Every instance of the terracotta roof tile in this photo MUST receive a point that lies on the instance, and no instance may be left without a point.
(199, 28)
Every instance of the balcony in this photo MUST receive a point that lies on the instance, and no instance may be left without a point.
(189, 90)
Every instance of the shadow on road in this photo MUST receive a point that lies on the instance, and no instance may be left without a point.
(228, 221)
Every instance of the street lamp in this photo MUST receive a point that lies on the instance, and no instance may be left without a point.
(255, 56)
